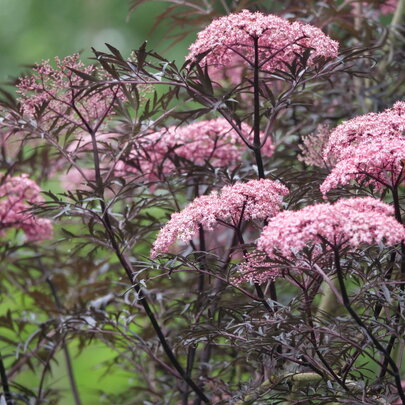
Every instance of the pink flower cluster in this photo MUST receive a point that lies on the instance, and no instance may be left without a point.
(16, 193)
(389, 123)
(389, 6)
(378, 162)
(368, 149)
(254, 200)
(257, 269)
(346, 224)
(375, 9)
(59, 88)
(210, 141)
(313, 146)
(279, 41)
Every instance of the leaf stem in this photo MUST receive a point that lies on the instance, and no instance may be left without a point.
(357, 319)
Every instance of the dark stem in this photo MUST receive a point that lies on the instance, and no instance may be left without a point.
(398, 217)
(256, 112)
(68, 359)
(388, 274)
(105, 218)
(142, 299)
(391, 343)
(206, 353)
(200, 290)
(357, 319)
(379, 306)
(259, 290)
(256, 140)
(308, 312)
(189, 368)
(4, 382)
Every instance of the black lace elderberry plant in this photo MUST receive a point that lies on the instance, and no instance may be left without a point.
(132, 141)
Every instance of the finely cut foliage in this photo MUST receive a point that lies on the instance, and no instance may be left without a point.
(256, 268)
(346, 224)
(261, 294)
(209, 141)
(254, 200)
(279, 41)
(62, 91)
(16, 195)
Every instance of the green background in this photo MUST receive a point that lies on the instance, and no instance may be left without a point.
(34, 30)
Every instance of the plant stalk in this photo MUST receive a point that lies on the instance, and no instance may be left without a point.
(357, 319)
(105, 218)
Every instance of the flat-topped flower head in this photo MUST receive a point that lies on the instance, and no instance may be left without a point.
(376, 161)
(389, 123)
(209, 141)
(254, 200)
(278, 40)
(16, 193)
(347, 224)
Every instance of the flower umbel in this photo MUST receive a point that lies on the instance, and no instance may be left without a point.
(313, 146)
(210, 141)
(254, 200)
(62, 90)
(368, 149)
(377, 162)
(389, 123)
(279, 41)
(16, 193)
(346, 224)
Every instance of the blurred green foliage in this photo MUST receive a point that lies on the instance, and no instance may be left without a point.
(33, 30)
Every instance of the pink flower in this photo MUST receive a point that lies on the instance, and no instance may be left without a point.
(374, 8)
(389, 6)
(279, 41)
(376, 161)
(59, 89)
(211, 141)
(346, 224)
(254, 200)
(368, 148)
(16, 193)
(389, 123)
(313, 146)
